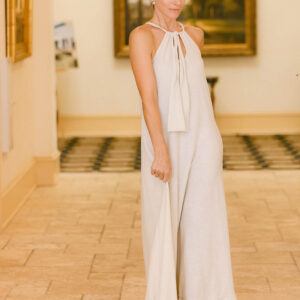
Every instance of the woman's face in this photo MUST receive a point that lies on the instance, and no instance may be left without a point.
(170, 8)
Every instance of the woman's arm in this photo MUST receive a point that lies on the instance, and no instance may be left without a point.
(141, 45)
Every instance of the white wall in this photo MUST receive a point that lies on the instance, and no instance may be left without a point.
(104, 85)
(33, 94)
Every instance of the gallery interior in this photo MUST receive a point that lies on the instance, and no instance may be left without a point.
(70, 139)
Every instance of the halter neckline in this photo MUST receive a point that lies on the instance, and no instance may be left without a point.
(165, 30)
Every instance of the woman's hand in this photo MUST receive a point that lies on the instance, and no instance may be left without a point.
(161, 165)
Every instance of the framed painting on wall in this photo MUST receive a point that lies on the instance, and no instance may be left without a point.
(18, 29)
(229, 25)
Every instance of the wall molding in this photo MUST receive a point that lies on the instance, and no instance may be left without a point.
(263, 123)
(41, 171)
(16, 193)
(47, 169)
(259, 123)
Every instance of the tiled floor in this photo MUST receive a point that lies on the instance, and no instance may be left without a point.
(81, 239)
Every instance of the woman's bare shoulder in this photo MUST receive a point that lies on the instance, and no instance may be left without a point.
(140, 34)
(141, 42)
(196, 33)
(194, 29)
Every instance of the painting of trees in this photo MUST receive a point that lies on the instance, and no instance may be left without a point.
(229, 25)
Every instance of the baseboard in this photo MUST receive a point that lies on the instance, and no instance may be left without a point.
(16, 193)
(284, 123)
(47, 169)
(99, 126)
(275, 123)
(41, 171)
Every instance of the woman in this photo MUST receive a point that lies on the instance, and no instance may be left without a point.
(184, 219)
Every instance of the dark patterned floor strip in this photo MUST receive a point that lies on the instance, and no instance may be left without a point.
(101, 155)
(289, 146)
(254, 151)
(123, 154)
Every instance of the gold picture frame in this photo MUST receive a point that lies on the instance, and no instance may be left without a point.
(19, 29)
(223, 37)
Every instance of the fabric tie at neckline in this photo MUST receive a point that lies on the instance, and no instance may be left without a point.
(165, 30)
(179, 98)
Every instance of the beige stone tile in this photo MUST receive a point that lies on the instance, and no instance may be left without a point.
(262, 257)
(281, 296)
(295, 203)
(117, 235)
(77, 228)
(278, 246)
(46, 297)
(243, 249)
(5, 288)
(278, 202)
(55, 238)
(287, 284)
(8, 273)
(251, 193)
(111, 220)
(123, 208)
(244, 210)
(134, 286)
(100, 204)
(137, 223)
(296, 256)
(258, 284)
(250, 204)
(250, 233)
(236, 219)
(56, 257)
(92, 218)
(101, 297)
(135, 249)
(108, 287)
(275, 217)
(266, 270)
(250, 296)
(26, 227)
(29, 290)
(119, 221)
(101, 248)
(14, 257)
(39, 212)
(116, 263)
(105, 275)
(290, 233)
(124, 198)
(3, 240)
(128, 186)
(55, 272)
(17, 244)
(55, 219)
(97, 201)
(78, 210)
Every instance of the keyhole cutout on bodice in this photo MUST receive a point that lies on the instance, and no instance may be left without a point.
(182, 47)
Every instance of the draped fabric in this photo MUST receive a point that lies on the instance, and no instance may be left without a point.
(179, 99)
(162, 266)
(184, 222)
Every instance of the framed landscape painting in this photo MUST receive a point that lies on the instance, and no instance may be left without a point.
(229, 25)
(18, 29)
